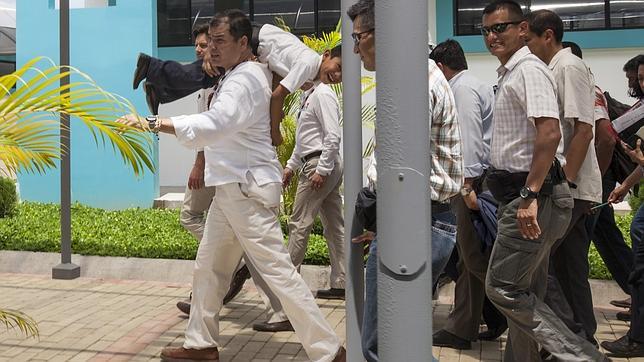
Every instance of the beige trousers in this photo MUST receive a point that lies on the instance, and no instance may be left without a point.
(243, 219)
(326, 202)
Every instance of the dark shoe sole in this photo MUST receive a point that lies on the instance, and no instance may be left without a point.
(623, 316)
(266, 327)
(141, 71)
(620, 304)
(184, 307)
(237, 284)
(151, 98)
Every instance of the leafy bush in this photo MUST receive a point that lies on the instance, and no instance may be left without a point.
(8, 197)
(143, 233)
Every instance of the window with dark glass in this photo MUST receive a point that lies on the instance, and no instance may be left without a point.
(177, 18)
(576, 15)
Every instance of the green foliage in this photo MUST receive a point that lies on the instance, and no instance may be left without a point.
(142, 233)
(8, 197)
(15, 319)
(636, 199)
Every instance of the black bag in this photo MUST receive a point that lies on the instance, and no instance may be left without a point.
(365, 217)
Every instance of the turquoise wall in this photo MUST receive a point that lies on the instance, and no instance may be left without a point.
(592, 39)
(104, 44)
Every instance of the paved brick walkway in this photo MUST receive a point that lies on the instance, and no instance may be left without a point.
(99, 320)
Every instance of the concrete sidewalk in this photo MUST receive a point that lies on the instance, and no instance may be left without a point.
(101, 319)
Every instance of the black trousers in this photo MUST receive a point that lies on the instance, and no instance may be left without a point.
(173, 80)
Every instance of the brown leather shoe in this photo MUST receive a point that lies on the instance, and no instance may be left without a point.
(341, 356)
(625, 303)
(237, 284)
(184, 306)
(180, 354)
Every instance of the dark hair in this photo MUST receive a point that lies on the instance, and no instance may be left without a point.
(634, 89)
(514, 9)
(363, 9)
(200, 29)
(542, 20)
(449, 53)
(633, 63)
(238, 23)
(638, 92)
(576, 50)
(336, 52)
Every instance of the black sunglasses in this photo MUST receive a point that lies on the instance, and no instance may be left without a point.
(358, 36)
(498, 28)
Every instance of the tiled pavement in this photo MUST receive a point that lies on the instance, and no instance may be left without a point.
(99, 320)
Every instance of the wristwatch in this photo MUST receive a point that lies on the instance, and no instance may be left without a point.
(153, 123)
(526, 193)
(465, 191)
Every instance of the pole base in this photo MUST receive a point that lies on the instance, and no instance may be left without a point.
(65, 271)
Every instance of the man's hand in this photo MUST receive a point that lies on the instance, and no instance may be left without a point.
(618, 194)
(196, 179)
(470, 201)
(207, 67)
(317, 180)
(276, 137)
(134, 121)
(527, 219)
(287, 174)
(366, 238)
(634, 153)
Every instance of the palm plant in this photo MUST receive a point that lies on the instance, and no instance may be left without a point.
(29, 126)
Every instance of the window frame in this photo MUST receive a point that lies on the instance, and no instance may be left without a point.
(607, 21)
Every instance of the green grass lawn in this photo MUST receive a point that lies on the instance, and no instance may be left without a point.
(151, 233)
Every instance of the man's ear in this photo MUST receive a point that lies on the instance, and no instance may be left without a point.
(523, 29)
(243, 41)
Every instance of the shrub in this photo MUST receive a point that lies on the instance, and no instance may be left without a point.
(8, 197)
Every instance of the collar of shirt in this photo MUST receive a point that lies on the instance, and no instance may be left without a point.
(513, 61)
(456, 77)
(560, 54)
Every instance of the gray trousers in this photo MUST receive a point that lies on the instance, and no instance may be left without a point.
(516, 283)
(469, 293)
(327, 202)
(569, 294)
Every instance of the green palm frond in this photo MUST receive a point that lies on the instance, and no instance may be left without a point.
(29, 118)
(16, 319)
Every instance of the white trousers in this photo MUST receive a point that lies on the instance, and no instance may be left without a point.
(243, 219)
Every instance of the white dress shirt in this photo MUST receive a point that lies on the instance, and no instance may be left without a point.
(235, 131)
(474, 103)
(318, 129)
(576, 98)
(527, 90)
(287, 56)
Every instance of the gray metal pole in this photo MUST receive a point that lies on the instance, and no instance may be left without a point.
(65, 270)
(404, 270)
(352, 138)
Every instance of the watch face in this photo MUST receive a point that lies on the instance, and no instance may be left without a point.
(524, 192)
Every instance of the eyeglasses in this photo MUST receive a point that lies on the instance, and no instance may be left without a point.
(497, 28)
(358, 36)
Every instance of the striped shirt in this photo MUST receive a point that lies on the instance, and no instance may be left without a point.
(446, 176)
(526, 91)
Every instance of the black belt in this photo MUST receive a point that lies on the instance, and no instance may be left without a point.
(310, 156)
(440, 207)
(254, 40)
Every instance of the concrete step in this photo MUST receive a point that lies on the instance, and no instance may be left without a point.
(171, 200)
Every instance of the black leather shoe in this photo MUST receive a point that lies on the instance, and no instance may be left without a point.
(151, 97)
(443, 338)
(624, 316)
(493, 334)
(626, 303)
(624, 347)
(237, 283)
(141, 71)
(284, 326)
(333, 293)
(184, 306)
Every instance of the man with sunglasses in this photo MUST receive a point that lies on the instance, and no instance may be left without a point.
(534, 198)
(446, 175)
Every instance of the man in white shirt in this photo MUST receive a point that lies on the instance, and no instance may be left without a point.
(243, 166)
(534, 198)
(317, 154)
(569, 268)
(474, 103)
